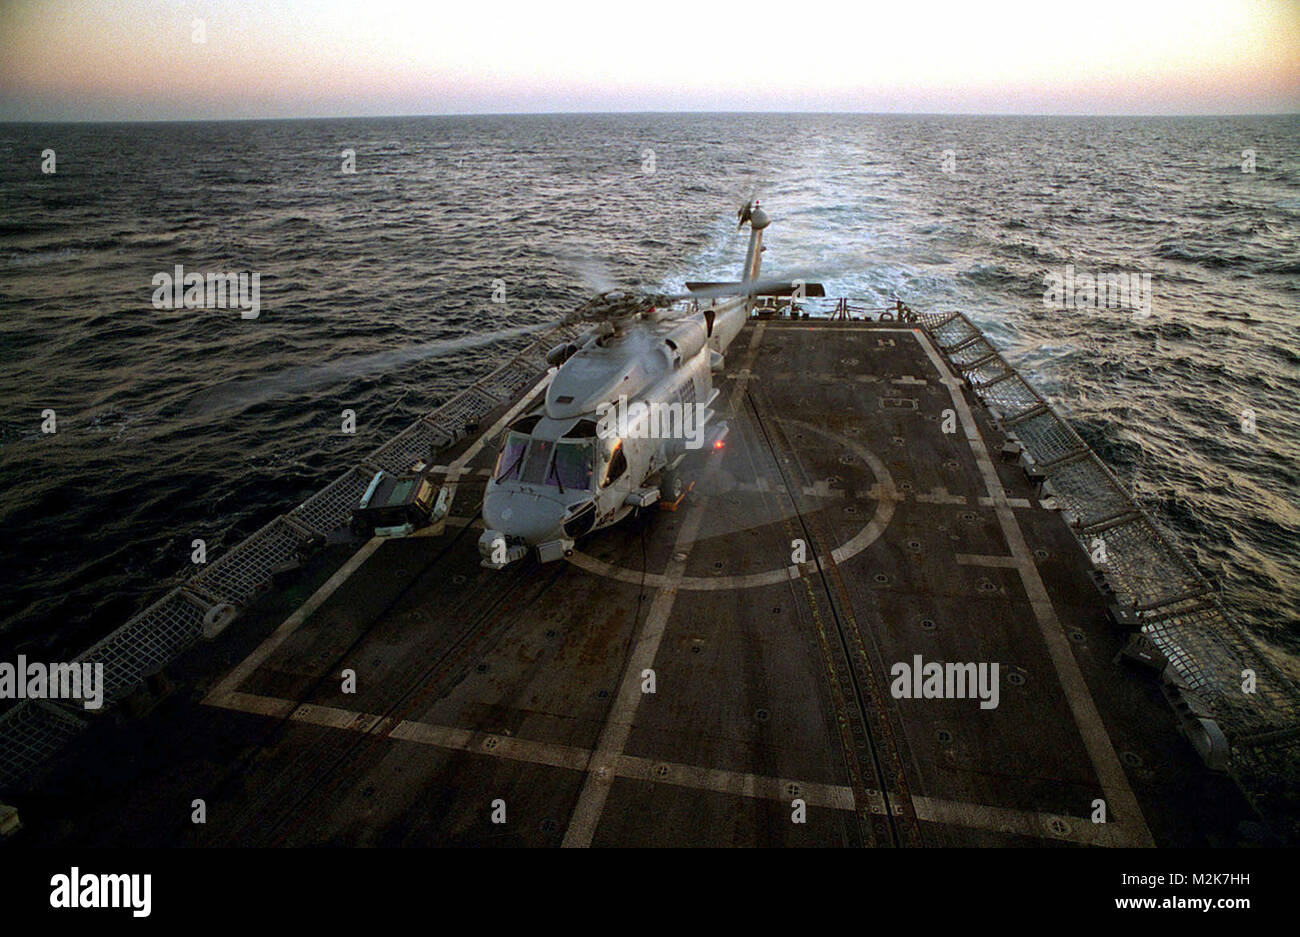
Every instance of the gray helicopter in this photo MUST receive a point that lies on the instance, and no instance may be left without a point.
(630, 399)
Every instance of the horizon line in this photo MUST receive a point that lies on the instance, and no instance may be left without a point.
(602, 113)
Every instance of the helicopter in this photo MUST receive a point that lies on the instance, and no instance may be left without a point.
(631, 397)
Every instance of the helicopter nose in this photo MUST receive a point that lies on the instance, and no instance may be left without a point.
(523, 514)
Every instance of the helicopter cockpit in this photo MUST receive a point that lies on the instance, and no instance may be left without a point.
(575, 461)
(548, 486)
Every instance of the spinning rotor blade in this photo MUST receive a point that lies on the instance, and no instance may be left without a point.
(240, 394)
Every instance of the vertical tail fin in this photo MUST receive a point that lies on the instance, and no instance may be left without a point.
(758, 220)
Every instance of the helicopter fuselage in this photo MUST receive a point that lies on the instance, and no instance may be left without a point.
(621, 412)
(628, 401)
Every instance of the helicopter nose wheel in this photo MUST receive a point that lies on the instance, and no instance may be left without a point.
(672, 490)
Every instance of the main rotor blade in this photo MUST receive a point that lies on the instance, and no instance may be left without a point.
(591, 271)
(240, 394)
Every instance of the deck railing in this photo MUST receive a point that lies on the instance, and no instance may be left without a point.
(32, 731)
(1155, 590)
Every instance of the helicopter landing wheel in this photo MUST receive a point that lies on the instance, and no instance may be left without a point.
(672, 490)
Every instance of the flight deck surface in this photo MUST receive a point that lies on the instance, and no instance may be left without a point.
(715, 675)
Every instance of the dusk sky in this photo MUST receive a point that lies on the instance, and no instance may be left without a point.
(194, 59)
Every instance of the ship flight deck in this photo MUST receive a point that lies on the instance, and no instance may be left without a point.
(714, 675)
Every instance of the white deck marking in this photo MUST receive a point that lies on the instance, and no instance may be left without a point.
(939, 494)
(1020, 822)
(618, 725)
(216, 697)
(694, 777)
(849, 328)
(883, 491)
(602, 767)
(987, 502)
(975, 559)
(739, 784)
(1120, 800)
(290, 624)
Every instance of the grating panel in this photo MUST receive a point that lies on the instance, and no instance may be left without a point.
(241, 573)
(466, 408)
(1192, 628)
(418, 441)
(1009, 397)
(1047, 437)
(1086, 491)
(146, 643)
(30, 733)
(509, 382)
(329, 509)
(987, 371)
(1143, 566)
(964, 357)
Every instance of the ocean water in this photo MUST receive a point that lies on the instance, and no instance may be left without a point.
(376, 292)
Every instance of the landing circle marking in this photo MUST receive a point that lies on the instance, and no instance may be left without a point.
(863, 539)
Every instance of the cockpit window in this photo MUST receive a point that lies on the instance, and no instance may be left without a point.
(566, 465)
(573, 465)
(525, 424)
(537, 462)
(617, 466)
(512, 457)
(583, 429)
